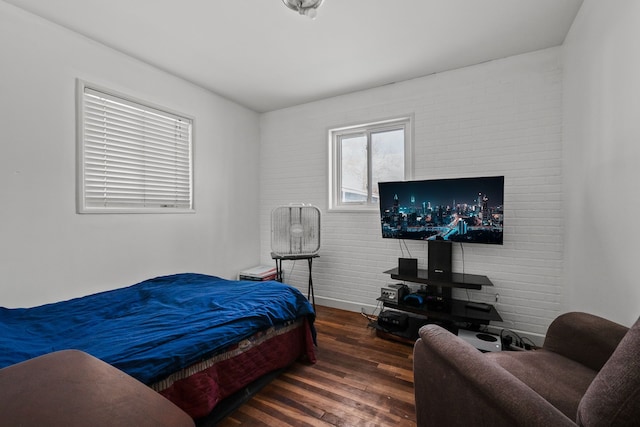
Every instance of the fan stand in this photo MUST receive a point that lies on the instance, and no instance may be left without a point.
(279, 276)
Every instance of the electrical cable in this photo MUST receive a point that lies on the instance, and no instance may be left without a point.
(293, 265)
(400, 242)
(517, 341)
(373, 318)
(407, 247)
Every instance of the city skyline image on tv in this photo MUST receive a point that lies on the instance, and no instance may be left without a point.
(456, 209)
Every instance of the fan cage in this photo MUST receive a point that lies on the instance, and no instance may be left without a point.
(295, 230)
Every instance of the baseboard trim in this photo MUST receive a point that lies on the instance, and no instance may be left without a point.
(346, 305)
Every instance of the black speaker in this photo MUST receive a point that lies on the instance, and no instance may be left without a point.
(439, 259)
(408, 267)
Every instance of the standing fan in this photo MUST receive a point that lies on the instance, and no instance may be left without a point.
(295, 230)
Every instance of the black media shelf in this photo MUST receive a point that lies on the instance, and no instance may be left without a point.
(439, 306)
(454, 280)
(449, 311)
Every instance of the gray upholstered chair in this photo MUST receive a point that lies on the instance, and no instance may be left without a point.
(587, 373)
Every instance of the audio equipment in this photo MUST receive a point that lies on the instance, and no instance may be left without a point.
(408, 267)
(439, 259)
(479, 306)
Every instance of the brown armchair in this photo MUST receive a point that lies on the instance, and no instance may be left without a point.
(587, 373)
(71, 388)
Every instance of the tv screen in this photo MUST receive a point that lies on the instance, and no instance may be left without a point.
(458, 210)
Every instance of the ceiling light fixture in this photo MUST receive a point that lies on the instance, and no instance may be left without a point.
(304, 7)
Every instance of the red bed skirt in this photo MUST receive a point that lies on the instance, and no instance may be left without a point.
(200, 387)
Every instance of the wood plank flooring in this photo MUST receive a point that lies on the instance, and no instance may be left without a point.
(359, 380)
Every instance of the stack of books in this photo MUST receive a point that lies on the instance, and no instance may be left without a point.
(258, 274)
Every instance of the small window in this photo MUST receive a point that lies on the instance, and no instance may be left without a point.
(362, 156)
(133, 158)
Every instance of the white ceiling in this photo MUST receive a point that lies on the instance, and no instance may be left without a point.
(264, 56)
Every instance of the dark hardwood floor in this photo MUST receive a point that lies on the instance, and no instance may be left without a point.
(359, 380)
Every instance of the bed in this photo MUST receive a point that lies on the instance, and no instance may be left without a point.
(194, 338)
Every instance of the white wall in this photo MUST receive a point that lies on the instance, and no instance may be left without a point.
(47, 251)
(602, 155)
(503, 117)
(498, 118)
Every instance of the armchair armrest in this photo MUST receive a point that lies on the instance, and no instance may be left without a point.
(73, 388)
(584, 338)
(456, 385)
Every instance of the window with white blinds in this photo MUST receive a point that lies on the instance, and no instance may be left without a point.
(133, 158)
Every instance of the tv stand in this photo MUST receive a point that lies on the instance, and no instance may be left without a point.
(438, 304)
(453, 280)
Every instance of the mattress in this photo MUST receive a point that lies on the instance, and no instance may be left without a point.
(154, 328)
(199, 388)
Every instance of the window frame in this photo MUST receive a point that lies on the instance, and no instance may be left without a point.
(335, 135)
(81, 151)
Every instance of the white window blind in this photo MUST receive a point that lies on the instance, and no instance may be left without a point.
(134, 158)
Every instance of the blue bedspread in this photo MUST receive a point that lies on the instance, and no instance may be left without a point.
(154, 328)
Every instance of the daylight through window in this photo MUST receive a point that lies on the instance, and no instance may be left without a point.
(364, 155)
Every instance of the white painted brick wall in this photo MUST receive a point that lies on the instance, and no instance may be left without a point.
(498, 118)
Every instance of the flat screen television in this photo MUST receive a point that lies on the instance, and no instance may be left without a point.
(466, 210)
